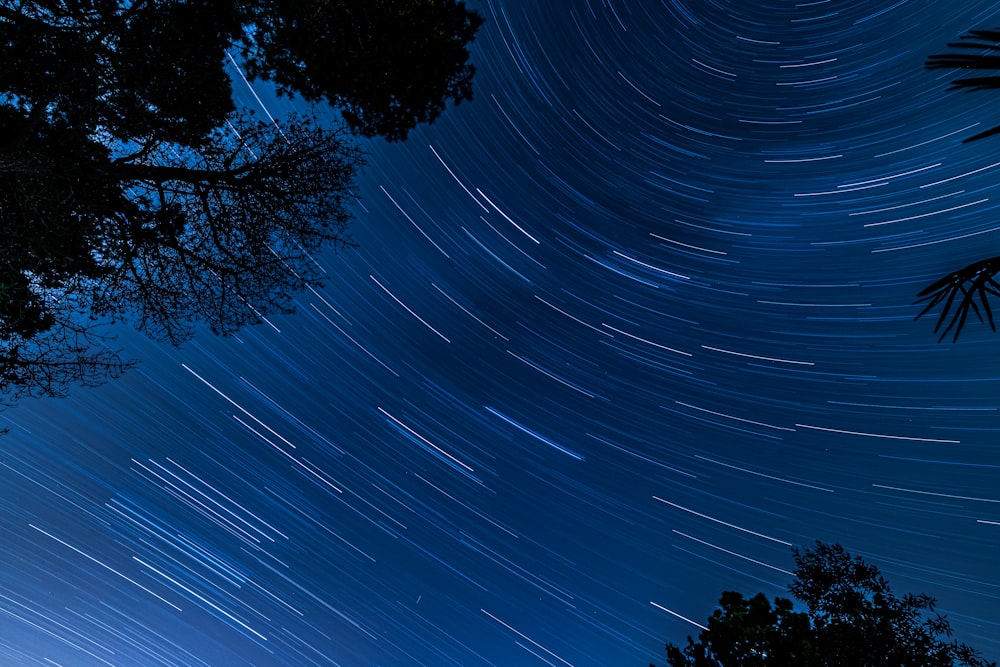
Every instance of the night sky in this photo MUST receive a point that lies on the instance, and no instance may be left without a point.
(619, 333)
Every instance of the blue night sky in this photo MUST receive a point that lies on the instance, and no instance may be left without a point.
(618, 334)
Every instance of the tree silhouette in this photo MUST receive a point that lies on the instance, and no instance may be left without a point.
(959, 291)
(851, 619)
(387, 64)
(131, 188)
(223, 232)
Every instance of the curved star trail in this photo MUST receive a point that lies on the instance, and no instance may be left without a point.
(619, 333)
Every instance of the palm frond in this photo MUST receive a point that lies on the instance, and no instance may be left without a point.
(971, 283)
(982, 135)
(987, 43)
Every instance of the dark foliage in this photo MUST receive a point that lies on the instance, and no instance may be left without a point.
(168, 50)
(750, 633)
(959, 291)
(224, 232)
(851, 619)
(131, 189)
(975, 281)
(387, 64)
(986, 44)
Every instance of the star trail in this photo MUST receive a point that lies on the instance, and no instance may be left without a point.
(618, 334)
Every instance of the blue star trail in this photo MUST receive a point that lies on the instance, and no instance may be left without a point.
(618, 333)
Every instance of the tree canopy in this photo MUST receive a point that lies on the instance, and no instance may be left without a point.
(387, 64)
(132, 188)
(851, 618)
(968, 289)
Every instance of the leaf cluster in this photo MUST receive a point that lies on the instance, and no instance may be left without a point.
(387, 64)
(851, 619)
(968, 289)
(978, 50)
(975, 282)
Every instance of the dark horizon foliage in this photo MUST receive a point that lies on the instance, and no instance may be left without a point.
(851, 618)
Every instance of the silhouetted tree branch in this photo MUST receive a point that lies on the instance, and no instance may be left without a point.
(224, 233)
(987, 43)
(131, 189)
(969, 288)
(46, 364)
(975, 281)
